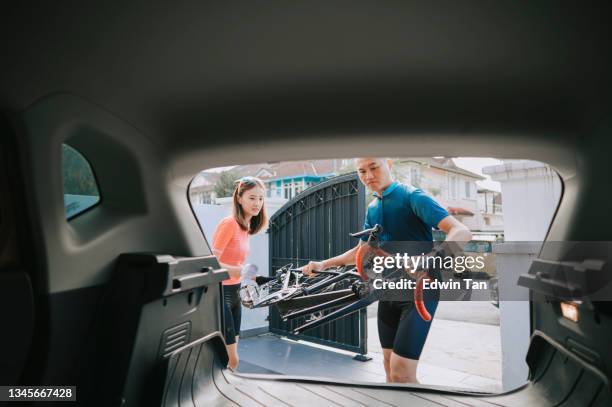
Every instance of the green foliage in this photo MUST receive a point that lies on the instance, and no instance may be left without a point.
(226, 184)
(78, 176)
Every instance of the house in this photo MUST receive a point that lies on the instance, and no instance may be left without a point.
(287, 179)
(202, 188)
(282, 180)
(490, 205)
(454, 188)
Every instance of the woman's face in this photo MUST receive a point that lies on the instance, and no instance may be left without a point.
(252, 201)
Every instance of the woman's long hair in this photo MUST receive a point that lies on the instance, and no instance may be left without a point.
(257, 222)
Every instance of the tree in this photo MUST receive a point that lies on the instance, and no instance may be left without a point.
(78, 176)
(226, 183)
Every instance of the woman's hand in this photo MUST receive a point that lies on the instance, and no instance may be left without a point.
(249, 271)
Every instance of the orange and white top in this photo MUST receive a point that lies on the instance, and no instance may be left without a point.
(231, 243)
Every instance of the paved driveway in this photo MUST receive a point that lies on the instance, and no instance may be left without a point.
(463, 350)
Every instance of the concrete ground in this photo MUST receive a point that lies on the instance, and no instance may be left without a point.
(463, 350)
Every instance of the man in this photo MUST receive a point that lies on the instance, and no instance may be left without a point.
(406, 214)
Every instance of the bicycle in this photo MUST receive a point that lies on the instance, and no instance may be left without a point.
(367, 294)
(296, 295)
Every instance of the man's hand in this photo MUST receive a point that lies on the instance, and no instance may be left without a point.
(457, 234)
(311, 267)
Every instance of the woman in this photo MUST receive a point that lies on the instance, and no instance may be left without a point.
(231, 246)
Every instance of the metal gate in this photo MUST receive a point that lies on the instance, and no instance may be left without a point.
(315, 225)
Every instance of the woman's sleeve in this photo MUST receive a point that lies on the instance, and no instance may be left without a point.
(223, 235)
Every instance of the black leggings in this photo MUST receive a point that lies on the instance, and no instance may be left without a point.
(232, 312)
(401, 328)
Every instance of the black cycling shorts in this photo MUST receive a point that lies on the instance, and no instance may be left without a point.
(401, 328)
(232, 311)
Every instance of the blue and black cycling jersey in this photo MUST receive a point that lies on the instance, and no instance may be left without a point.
(407, 216)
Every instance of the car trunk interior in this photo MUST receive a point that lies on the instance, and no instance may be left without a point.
(100, 301)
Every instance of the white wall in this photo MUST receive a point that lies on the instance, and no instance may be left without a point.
(531, 191)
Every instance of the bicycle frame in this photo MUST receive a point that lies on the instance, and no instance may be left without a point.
(364, 297)
(282, 291)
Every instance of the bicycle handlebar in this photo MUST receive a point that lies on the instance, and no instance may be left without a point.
(373, 232)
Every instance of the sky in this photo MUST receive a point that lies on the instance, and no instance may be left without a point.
(476, 164)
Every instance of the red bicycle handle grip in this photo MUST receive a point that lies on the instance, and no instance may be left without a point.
(418, 300)
(359, 262)
(363, 251)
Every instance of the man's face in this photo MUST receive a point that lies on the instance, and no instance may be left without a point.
(375, 173)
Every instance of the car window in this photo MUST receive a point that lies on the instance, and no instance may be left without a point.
(80, 188)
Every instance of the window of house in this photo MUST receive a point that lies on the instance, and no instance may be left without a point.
(80, 187)
(287, 189)
(453, 187)
(468, 190)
